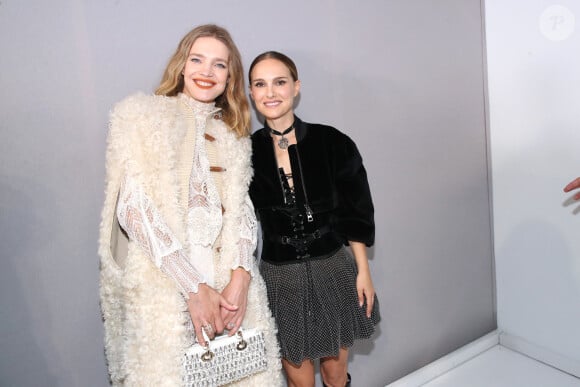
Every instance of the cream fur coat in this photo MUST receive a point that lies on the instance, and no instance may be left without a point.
(144, 313)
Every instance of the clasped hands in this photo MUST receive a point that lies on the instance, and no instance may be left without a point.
(212, 311)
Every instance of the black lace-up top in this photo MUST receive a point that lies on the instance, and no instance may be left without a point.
(329, 204)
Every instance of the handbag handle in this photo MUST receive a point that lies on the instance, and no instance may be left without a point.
(208, 355)
(242, 344)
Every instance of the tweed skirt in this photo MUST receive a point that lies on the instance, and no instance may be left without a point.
(315, 305)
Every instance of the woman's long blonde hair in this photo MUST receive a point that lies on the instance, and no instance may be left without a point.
(233, 101)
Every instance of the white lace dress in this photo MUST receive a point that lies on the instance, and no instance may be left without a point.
(144, 224)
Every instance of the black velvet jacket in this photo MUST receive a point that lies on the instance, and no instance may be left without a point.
(332, 205)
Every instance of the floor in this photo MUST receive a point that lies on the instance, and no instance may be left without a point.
(502, 367)
(486, 363)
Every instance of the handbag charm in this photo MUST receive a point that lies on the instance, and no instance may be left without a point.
(225, 359)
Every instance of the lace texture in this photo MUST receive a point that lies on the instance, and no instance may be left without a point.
(248, 227)
(143, 223)
(204, 205)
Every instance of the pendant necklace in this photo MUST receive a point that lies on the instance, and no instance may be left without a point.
(283, 141)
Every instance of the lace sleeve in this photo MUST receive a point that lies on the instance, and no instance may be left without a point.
(142, 221)
(248, 237)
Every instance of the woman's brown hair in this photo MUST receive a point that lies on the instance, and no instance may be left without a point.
(289, 63)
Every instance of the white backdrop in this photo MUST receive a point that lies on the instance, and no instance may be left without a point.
(404, 78)
(533, 51)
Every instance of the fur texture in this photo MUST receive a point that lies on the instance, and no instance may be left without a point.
(143, 311)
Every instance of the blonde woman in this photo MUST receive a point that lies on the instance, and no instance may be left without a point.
(178, 229)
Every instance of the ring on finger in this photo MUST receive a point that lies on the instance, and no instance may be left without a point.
(231, 325)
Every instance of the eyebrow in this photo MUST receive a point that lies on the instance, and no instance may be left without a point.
(274, 79)
(203, 56)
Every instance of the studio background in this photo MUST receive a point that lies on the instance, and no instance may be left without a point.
(404, 78)
(533, 62)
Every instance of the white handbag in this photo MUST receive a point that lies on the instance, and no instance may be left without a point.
(225, 359)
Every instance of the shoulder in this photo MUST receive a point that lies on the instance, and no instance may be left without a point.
(340, 147)
(244, 142)
(227, 133)
(259, 137)
(140, 105)
(143, 112)
(260, 133)
(142, 120)
(329, 134)
(236, 149)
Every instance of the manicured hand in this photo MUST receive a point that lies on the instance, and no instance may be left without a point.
(365, 289)
(205, 310)
(236, 292)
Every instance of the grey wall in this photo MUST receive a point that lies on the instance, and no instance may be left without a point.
(534, 87)
(403, 78)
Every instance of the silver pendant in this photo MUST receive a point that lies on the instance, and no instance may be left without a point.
(283, 143)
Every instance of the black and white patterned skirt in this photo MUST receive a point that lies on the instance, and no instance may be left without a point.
(315, 305)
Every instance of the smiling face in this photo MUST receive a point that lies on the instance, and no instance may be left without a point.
(273, 89)
(206, 70)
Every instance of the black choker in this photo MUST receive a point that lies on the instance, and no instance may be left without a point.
(283, 142)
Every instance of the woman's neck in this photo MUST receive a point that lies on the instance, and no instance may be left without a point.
(281, 123)
(197, 105)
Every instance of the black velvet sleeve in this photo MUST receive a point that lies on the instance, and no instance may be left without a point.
(355, 214)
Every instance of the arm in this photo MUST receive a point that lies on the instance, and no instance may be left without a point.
(237, 289)
(356, 215)
(574, 184)
(364, 283)
(355, 210)
(143, 223)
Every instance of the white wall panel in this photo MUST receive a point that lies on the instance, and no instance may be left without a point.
(533, 54)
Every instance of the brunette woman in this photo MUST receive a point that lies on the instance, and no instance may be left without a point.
(311, 193)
